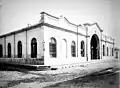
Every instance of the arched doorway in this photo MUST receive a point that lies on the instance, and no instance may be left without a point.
(9, 50)
(1, 51)
(95, 47)
(34, 48)
(19, 49)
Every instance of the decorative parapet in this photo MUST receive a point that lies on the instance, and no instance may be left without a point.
(60, 22)
(96, 24)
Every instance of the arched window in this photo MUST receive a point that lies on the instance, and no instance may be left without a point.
(52, 47)
(19, 46)
(33, 48)
(82, 49)
(112, 52)
(103, 50)
(1, 50)
(107, 51)
(73, 49)
(9, 50)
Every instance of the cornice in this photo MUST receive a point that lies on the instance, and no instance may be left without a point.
(107, 41)
(63, 29)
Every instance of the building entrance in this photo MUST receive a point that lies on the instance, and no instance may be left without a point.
(95, 47)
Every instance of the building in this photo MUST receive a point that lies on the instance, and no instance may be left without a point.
(56, 41)
(117, 52)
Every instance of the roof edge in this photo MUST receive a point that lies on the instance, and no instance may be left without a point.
(21, 30)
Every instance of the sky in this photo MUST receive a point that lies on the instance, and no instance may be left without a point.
(16, 14)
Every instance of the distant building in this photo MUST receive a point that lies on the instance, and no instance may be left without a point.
(117, 52)
(56, 41)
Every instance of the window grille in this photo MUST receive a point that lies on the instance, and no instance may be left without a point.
(52, 47)
(82, 49)
(73, 49)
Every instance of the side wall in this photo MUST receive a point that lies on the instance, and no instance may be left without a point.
(13, 39)
(10, 39)
(107, 42)
(20, 37)
(59, 35)
(3, 46)
(37, 33)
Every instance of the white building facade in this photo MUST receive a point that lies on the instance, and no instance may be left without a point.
(56, 41)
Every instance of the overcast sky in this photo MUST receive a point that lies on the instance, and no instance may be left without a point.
(16, 14)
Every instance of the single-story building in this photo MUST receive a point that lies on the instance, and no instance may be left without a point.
(56, 41)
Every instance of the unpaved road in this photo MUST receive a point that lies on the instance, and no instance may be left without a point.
(39, 79)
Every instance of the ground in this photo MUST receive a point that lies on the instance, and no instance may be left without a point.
(38, 79)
